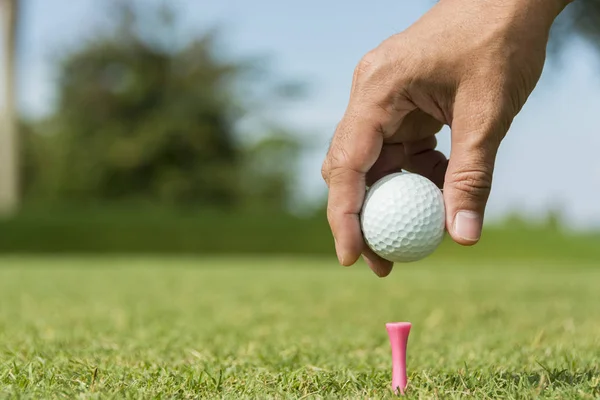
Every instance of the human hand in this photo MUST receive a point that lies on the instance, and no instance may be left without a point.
(469, 64)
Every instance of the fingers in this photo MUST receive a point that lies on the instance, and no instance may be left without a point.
(356, 146)
(391, 159)
(423, 159)
(416, 126)
(412, 147)
(477, 130)
(378, 265)
(375, 111)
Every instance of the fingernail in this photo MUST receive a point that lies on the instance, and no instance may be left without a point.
(467, 225)
(338, 253)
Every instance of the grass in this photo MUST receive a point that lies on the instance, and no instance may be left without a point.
(294, 328)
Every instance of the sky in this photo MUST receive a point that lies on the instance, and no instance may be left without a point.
(549, 157)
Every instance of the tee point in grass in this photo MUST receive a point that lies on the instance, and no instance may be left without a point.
(398, 334)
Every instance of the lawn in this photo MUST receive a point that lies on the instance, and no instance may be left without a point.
(294, 328)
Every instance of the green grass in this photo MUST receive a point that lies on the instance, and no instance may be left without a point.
(294, 328)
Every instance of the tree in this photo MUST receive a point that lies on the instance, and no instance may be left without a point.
(140, 118)
(9, 147)
(269, 173)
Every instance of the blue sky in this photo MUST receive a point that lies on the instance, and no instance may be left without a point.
(549, 156)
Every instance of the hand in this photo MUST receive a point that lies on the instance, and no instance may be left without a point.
(469, 64)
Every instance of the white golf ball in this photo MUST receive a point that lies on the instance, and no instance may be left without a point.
(403, 217)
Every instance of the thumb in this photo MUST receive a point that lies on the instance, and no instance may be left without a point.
(476, 137)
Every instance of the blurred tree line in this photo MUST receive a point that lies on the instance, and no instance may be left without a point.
(143, 119)
(140, 118)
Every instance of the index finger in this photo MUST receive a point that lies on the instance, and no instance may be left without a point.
(355, 147)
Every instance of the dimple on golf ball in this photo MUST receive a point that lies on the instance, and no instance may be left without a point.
(403, 217)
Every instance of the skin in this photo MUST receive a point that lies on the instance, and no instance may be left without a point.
(468, 64)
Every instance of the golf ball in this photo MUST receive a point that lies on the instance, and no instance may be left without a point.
(403, 217)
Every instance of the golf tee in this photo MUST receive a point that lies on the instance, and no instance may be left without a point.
(398, 334)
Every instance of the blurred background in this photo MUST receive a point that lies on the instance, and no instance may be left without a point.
(199, 127)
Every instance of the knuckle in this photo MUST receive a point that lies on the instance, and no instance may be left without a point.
(325, 170)
(368, 63)
(338, 159)
(337, 175)
(384, 56)
(336, 156)
(475, 182)
(374, 67)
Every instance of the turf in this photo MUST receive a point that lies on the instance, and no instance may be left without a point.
(294, 328)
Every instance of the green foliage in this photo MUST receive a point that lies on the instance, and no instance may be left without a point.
(268, 179)
(294, 328)
(139, 119)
